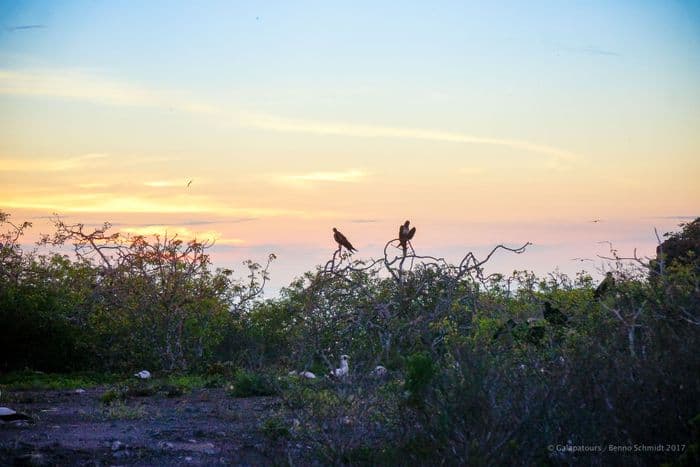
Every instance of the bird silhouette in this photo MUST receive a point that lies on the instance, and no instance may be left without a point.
(405, 234)
(605, 286)
(554, 315)
(189, 183)
(342, 240)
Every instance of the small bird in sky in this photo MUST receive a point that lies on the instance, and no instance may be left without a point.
(581, 259)
(189, 183)
(342, 241)
(406, 234)
(595, 221)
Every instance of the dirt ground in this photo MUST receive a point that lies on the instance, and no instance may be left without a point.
(205, 427)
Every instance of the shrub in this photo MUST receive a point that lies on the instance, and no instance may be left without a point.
(247, 384)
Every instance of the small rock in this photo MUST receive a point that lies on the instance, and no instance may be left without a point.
(166, 445)
(188, 459)
(118, 445)
(80, 391)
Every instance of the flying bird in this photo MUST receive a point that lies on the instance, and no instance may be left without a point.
(342, 241)
(406, 234)
(605, 286)
(189, 183)
(554, 315)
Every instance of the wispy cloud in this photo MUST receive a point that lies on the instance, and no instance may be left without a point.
(593, 50)
(115, 202)
(367, 131)
(92, 87)
(49, 165)
(24, 27)
(177, 182)
(364, 221)
(182, 232)
(344, 176)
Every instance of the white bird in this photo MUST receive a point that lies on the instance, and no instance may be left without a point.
(343, 370)
(143, 374)
(9, 415)
(379, 371)
(307, 375)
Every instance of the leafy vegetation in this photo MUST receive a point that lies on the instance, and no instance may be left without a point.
(248, 384)
(482, 369)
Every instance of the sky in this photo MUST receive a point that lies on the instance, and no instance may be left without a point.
(482, 124)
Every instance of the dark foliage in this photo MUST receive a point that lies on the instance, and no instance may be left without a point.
(480, 369)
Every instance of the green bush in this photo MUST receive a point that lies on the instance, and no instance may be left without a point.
(420, 370)
(247, 384)
(275, 428)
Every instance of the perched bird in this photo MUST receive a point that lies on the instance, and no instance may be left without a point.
(406, 234)
(379, 371)
(143, 374)
(342, 241)
(554, 315)
(344, 369)
(8, 415)
(605, 286)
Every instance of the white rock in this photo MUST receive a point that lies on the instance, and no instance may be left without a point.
(379, 371)
(307, 375)
(143, 374)
(344, 369)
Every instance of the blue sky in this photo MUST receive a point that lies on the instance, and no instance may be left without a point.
(313, 114)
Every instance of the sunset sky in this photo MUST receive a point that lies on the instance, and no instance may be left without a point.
(482, 124)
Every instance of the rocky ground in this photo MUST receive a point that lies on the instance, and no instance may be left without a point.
(204, 427)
